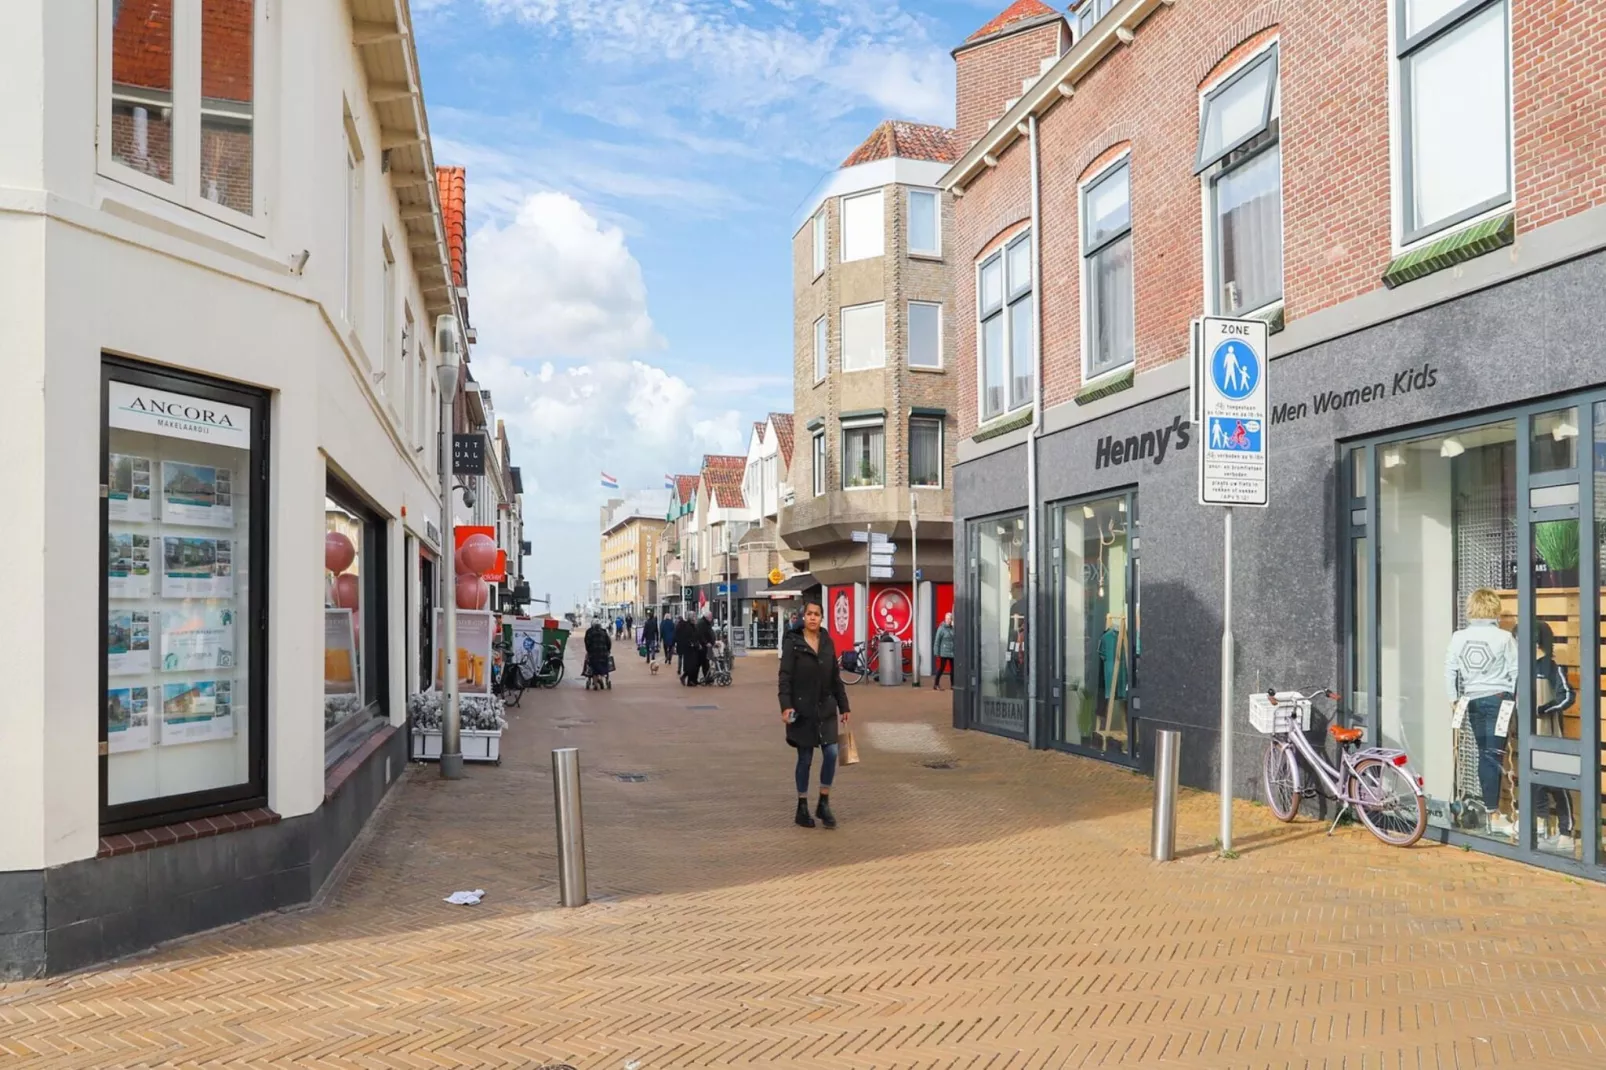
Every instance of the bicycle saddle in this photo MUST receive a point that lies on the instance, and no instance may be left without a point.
(1346, 735)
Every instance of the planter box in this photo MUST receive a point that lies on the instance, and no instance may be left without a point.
(477, 746)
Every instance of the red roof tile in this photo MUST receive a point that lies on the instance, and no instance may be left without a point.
(452, 182)
(1019, 11)
(758, 426)
(909, 141)
(685, 489)
(783, 435)
(722, 475)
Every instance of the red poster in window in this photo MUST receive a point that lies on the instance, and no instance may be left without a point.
(891, 611)
(943, 596)
(839, 616)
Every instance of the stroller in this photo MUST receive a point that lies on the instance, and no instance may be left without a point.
(599, 660)
(720, 664)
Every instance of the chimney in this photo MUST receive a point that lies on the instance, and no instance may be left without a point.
(998, 61)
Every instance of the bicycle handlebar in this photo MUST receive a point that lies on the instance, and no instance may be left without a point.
(1325, 692)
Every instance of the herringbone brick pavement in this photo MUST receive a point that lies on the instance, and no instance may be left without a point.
(998, 913)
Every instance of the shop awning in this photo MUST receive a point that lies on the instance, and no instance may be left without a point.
(791, 588)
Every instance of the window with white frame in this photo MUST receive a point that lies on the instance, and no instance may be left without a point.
(1107, 270)
(1454, 111)
(820, 255)
(819, 463)
(864, 337)
(410, 382)
(925, 229)
(178, 102)
(353, 224)
(925, 334)
(863, 453)
(1241, 159)
(863, 223)
(388, 357)
(821, 354)
(925, 451)
(1005, 305)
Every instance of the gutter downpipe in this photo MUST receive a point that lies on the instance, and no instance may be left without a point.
(1034, 542)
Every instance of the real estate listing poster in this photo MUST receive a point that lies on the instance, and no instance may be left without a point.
(197, 494)
(128, 719)
(197, 640)
(128, 487)
(340, 653)
(197, 712)
(128, 642)
(474, 631)
(128, 565)
(197, 567)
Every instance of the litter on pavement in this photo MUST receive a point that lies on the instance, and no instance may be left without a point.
(463, 899)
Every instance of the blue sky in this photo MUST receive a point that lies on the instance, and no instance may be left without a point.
(633, 171)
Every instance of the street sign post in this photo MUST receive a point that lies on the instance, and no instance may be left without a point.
(1229, 409)
(880, 572)
(861, 536)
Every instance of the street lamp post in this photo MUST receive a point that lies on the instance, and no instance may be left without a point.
(451, 712)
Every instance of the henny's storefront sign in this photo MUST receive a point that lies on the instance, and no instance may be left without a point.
(1325, 401)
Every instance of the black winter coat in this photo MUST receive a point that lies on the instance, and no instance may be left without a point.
(685, 637)
(811, 684)
(705, 633)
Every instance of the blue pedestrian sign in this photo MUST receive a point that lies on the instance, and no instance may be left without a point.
(1230, 404)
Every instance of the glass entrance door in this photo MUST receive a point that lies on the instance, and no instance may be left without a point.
(1472, 644)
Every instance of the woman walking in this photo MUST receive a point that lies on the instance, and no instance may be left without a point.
(666, 632)
(942, 649)
(812, 699)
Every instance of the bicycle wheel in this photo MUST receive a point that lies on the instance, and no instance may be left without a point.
(512, 693)
(1282, 786)
(1387, 802)
(850, 676)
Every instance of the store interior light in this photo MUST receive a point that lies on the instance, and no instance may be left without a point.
(1121, 505)
(1392, 457)
(1087, 511)
(1452, 448)
(1567, 428)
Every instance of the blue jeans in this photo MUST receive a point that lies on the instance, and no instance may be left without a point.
(805, 759)
(1483, 713)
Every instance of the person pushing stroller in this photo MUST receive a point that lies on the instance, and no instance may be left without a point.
(599, 658)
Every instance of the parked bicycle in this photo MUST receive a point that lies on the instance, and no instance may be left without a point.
(863, 662)
(518, 672)
(1377, 783)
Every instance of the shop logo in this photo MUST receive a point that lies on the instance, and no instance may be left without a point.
(173, 410)
(1409, 381)
(1113, 451)
(841, 614)
(891, 611)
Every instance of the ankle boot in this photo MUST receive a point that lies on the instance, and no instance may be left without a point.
(803, 817)
(823, 812)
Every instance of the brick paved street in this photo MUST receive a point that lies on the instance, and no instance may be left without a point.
(1000, 913)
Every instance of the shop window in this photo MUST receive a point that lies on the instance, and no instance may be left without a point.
(1447, 515)
(1455, 111)
(1108, 304)
(184, 540)
(998, 549)
(355, 677)
(863, 455)
(925, 451)
(1005, 298)
(1096, 624)
(1553, 442)
(178, 94)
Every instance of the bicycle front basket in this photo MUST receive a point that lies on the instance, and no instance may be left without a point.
(1269, 719)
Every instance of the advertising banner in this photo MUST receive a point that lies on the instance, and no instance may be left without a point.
(475, 629)
(839, 616)
(197, 712)
(128, 487)
(128, 719)
(128, 642)
(340, 676)
(197, 640)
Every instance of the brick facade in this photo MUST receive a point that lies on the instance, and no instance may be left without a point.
(1338, 229)
(990, 73)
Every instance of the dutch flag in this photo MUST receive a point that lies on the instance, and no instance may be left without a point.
(609, 482)
(669, 482)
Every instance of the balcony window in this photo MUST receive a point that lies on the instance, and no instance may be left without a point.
(863, 455)
(864, 337)
(925, 451)
(863, 226)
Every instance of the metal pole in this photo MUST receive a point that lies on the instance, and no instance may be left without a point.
(869, 556)
(730, 621)
(1163, 827)
(1226, 686)
(571, 827)
(914, 587)
(451, 713)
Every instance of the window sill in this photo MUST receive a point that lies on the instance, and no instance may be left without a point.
(1105, 384)
(934, 258)
(928, 371)
(867, 368)
(124, 843)
(1003, 425)
(868, 486)
(1457, 248)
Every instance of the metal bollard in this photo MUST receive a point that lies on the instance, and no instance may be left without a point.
(571, 827)
(1163, 829)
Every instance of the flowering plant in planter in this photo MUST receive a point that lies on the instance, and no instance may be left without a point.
(479, 713)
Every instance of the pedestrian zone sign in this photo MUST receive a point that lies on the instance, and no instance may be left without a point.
(1229, 383)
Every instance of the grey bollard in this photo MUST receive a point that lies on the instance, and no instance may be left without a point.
(1163, 829)
(571, 827)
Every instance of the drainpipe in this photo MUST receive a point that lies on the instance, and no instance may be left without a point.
(1033, 540)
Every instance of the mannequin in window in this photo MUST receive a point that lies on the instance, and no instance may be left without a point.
(1112, 673)
(1553, 694)
(1017, 634)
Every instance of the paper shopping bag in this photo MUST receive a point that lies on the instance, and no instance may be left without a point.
(850, 749)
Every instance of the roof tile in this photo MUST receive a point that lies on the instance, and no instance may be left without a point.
(783, 434)
(452, 182)
(908, 141)
(1019, 11)
(722, 474)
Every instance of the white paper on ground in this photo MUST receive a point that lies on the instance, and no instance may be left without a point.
(462, 899)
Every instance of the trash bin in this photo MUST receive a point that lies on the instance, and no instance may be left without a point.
(891, 661)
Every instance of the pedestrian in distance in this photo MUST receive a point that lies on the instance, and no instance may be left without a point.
(705, 645)
(686, 648)
(813, 705)
(630, 624)
(942, 649)
(666, 632)
(649, 637)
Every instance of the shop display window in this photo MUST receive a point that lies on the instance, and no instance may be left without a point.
(354, 671)
(184, 544)
(1095, 620)
(999, 549)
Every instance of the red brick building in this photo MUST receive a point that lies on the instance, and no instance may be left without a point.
(1412, 195)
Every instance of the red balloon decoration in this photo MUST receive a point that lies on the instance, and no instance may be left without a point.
(472, 592)
(478, 554)
(338, 553)
(459, 564)
(347, 591)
